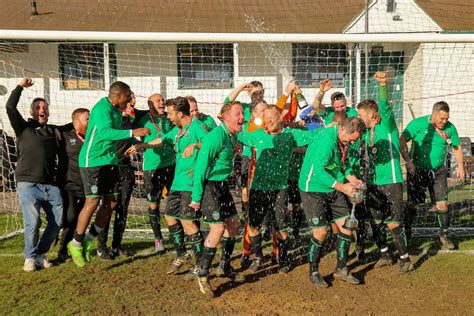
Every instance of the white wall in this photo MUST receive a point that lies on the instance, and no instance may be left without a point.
(413, 83)
(413, 19)
(447, 75)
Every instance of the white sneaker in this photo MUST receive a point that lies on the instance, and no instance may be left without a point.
(159, 246)
(42, 262)
(29, 265)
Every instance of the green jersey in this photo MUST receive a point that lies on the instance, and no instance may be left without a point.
(155, 158)
(322, 165)
(103, 132)
(383, 146)
(208, 121)
(215, 161)
(429, 148)
(355, 159)
(191, 133)
(328, 114)
(296, 162)
(246, 151)
(273, 153)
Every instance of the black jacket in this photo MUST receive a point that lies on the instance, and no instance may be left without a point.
(37, 145)
(68, 169)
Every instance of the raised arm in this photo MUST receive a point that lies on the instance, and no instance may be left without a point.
(386, 112)
(235, 93)
(318, 107)
(293, 112)
(290, 87)
(16, 119)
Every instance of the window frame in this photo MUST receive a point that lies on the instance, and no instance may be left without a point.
(194, 58)
(336, 56)
(92, 59)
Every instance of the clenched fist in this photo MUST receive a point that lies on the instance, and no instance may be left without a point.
(26, 82)
(381, 77)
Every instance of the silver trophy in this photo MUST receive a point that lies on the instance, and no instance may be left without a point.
(351, 222)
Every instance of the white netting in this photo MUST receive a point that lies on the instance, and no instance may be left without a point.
(72, 75)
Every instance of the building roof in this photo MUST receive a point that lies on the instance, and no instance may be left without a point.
(212, 16)
(452, 15)
(207, 16)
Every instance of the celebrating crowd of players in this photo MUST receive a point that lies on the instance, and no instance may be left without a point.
(315, 165)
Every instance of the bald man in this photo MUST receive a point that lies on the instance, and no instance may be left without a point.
(158, 163)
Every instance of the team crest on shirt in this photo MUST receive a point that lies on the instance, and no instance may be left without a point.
(315, 220)
(215, 215)
(94, 189)
(72, 141)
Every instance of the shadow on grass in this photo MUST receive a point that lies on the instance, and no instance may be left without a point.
(424, 249)
(131, 259)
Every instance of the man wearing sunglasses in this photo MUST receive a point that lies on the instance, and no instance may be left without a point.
(338, 104)
(98, 166)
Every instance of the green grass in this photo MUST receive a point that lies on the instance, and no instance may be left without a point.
(457, 192)
(139, 284)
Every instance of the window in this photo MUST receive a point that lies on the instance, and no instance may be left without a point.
(81, 66)
(205, 66)
(315, 62)
(380, 60)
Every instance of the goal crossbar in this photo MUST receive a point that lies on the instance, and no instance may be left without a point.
(235, 37)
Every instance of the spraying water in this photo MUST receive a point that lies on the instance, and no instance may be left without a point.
(275, 54)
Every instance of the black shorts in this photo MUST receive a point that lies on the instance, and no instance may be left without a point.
(436, 181)
(177, 206)
(217, 203)
(102, 180)
(156, 180)
(322, 208)
(244, 173)
(362, 213)
(262, 201)
(294, 196)
(385, 202)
